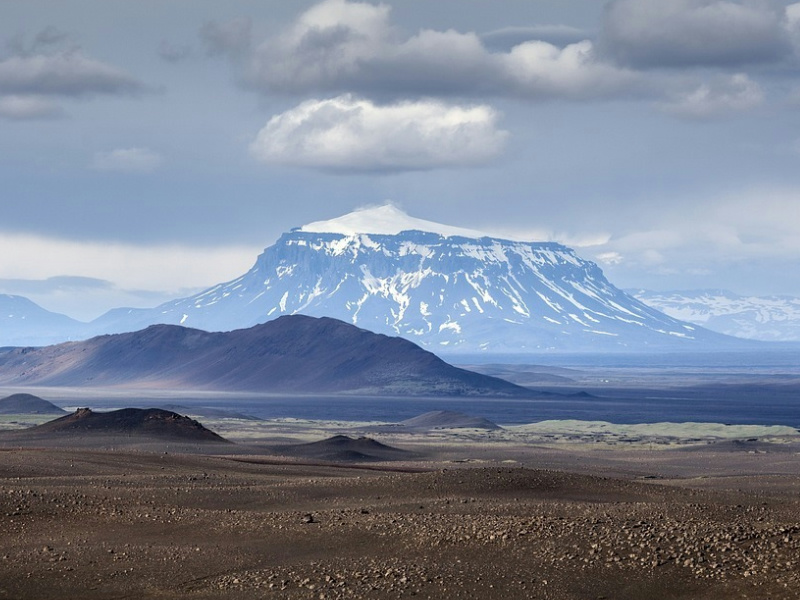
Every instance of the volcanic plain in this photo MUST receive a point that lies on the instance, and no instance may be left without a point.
(301, 513)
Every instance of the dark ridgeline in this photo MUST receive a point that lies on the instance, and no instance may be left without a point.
(28, 404)
(342, 448)
(292, 354)
(139, 422)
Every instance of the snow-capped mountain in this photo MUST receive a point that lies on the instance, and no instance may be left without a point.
(768, 318)
(445, 288)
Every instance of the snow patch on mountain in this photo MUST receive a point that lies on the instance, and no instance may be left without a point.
(766, 318)
(441, 287)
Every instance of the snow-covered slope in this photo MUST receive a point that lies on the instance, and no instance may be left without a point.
(385, 220)
(446, 289)
(770, 318)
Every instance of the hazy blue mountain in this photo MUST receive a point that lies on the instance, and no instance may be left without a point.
(768, 318)
(447, 289)
(25, 323)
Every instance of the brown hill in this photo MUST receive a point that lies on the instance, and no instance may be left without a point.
(127, 422)
(28, 404)
(294, 354)
(341, 448)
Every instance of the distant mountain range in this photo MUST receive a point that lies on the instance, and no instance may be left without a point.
(25, 323)
(767, 318)
(450, 290)
(292, 354)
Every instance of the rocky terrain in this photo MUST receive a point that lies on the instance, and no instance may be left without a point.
(80, 523)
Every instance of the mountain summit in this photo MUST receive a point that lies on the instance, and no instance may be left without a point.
(445, 288)
(384, 220)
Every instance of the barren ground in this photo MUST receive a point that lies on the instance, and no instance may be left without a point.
(558, 522)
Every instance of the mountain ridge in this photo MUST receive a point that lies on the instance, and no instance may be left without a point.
(765, 318)
(442, 289)
(293, 354)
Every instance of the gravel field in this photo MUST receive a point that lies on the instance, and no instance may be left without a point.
(85, 523)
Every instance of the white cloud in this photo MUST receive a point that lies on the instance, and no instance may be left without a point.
(339, 46)
(609, 258)
(717, 97)
(28, 107)
(542, 69)
(349, 134)
(171, 269)
(758, 224)
(128, 160)
(679, 33)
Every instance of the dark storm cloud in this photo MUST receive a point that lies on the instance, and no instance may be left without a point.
(689, 33)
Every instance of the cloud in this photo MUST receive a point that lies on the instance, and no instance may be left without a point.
(686, 33)
(35, 74)
(168, 267)
(757, 225)
(171, 53)
(22, 108)
(66, 73)
(502, 40)
(61, 283)
(105, 275)
(347, 134)
(339, 46)
(543, 70)
(231, 38)
(129, 160)
(716, 98)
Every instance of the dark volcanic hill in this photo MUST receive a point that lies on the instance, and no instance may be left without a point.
(28, 404)
(144, 422)
(292, 354)
(341, 448)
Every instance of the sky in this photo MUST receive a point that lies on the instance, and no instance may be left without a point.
(151, 149)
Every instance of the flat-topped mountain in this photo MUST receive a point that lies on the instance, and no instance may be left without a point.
(28, 404)
(293, 354)
(448, 289)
